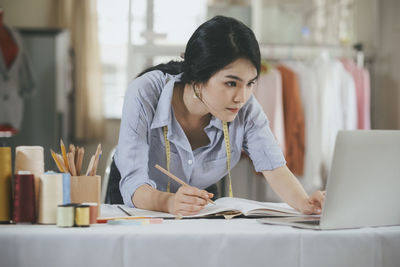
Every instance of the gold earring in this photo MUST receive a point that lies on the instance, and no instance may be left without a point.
(196, 93)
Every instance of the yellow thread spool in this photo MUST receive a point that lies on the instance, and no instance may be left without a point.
(82, 215)
(65, 215)
(5, 184)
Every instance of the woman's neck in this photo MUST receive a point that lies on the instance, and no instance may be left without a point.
(189, 109)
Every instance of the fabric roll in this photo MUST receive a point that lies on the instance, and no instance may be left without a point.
(5, 184)
(30, 158)
(66, 188)
(24, 198)
(50, 196)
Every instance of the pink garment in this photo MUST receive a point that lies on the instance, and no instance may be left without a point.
(268, 93)
(363, 92)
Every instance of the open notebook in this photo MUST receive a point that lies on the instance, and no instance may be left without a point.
(226, 206)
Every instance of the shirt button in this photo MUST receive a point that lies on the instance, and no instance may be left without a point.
(190, 162)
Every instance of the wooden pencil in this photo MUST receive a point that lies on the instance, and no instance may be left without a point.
(176, 179)
(81, 151)
(90, 167)
(55, 158)
(71, 162)
(96, 160)
(64, 154)
(60, 160)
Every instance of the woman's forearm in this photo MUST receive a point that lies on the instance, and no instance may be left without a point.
(149, 198)
(287, 187)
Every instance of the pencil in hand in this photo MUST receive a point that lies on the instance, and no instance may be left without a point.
(176, 179)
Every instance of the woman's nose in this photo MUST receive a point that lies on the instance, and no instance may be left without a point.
(240, 96)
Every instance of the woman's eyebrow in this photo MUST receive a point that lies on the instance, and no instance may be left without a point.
(238, 78)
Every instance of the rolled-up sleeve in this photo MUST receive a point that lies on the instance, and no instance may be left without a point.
(133, 145)
(259, 142)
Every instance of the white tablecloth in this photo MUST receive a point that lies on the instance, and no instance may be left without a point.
(201, 242)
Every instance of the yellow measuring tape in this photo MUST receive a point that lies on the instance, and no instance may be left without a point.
(167, 154)
(228, 153)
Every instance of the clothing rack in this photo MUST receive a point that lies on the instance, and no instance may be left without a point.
(306, 51)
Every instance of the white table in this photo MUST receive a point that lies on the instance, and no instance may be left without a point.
(201, 242)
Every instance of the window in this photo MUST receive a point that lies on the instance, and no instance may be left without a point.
(155, 31)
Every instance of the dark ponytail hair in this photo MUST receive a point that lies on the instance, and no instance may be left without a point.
(214, 45)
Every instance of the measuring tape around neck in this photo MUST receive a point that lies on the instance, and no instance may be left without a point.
(228, 153)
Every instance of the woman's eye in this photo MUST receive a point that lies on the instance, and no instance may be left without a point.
(231, 84)
(250, 84)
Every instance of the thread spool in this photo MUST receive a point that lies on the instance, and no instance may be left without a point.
(93, 212)
(5, 184)
(82, 215)
(30, 158)
(50, 196)
(65, 215)
(24, 198)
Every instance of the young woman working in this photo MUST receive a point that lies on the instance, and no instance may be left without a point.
(195, 117)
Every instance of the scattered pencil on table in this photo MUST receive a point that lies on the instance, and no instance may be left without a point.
(124, 211)
(135, 222)
(71, 161)
(176, 179)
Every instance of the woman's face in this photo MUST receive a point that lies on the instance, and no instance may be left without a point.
(229, 89)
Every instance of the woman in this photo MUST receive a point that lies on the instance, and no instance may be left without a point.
(194, 118)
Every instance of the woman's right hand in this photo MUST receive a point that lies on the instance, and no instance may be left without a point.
(188, 200)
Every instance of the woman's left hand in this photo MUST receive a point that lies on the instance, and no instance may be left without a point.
(313, 204)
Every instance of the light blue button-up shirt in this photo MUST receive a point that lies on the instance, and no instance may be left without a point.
(147, 108)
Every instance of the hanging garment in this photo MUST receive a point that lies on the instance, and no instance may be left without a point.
(349, 101)
(15, 82)
(294, 120)
(311, 179)
(363, 92)
(268, 93)
(337, 101)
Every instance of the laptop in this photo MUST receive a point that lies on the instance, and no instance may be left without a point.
(363, 187)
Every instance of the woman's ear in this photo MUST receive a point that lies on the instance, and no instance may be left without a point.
(196, 91)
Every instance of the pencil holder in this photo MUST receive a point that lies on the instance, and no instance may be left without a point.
(85, 189)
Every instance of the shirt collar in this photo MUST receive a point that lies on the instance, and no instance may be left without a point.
(162, 116)
(217, 123)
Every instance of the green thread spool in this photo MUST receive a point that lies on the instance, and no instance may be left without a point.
(65, 215)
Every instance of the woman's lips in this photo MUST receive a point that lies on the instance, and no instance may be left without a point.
(233, 110)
